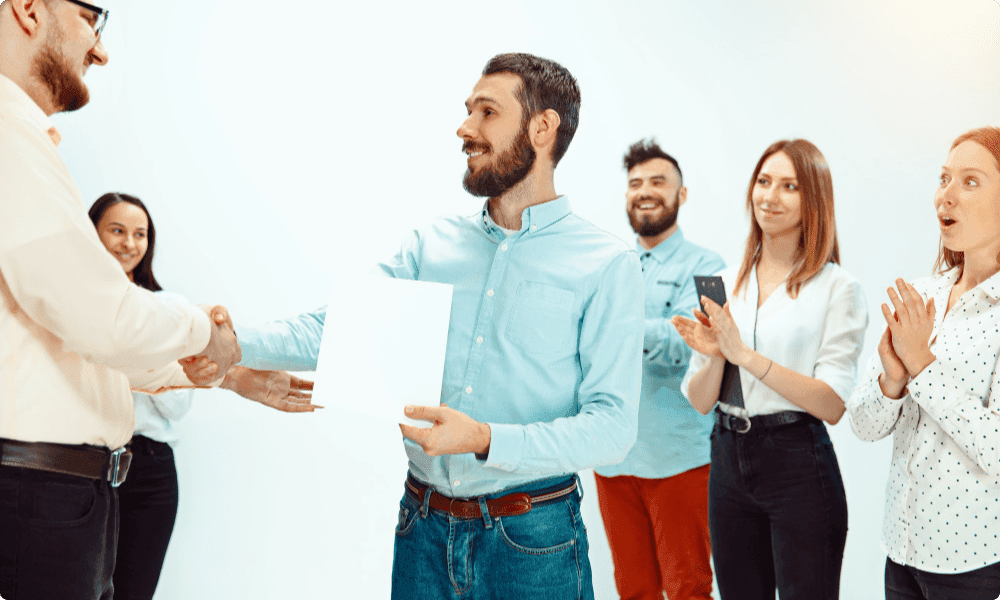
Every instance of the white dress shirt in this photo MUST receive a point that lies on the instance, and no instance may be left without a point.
(71, 323)
(819, 333)
(942, 504)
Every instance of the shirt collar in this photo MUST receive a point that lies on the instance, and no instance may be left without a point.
(534, 218)
(663, 251)
(989, 288)
(17, 103)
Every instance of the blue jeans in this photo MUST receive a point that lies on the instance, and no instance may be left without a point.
(541, 554)
(907, 583)
(777, 513)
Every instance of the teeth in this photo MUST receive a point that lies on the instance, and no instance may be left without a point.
(474, 154)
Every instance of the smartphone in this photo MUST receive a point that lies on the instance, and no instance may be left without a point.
(711, 287)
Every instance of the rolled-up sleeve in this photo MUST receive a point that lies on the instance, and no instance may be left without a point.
(843, 338)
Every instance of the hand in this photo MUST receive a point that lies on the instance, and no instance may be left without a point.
(276, 389)
(697, 334)
(895, 376)
(727, 334)
(453, 432)
(910, 327)
(222, 352)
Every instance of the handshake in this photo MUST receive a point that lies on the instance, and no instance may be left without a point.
(276, 389)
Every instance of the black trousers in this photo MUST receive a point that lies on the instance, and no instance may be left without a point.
(908, 583)
(57, 536)
(148, 509)
(777, 513)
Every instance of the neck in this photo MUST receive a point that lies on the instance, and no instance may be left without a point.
(653, 241)
(19, 71)
(978, 267)
(536, 188)
(780, 251)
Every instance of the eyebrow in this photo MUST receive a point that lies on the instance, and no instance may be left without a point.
(114, 223)
(980, 171)
(766, 174)
(480, 100)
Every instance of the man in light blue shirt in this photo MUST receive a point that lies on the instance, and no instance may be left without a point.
(655, 503)
(542, 368)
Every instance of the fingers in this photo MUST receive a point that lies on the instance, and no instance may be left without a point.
(898, 305)
(702, 318)
(417, 434)
(297, 383)
(931, 309)
(890, 318)
(710, 306)
(220, 314)
(424, 413)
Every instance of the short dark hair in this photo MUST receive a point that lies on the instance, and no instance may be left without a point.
(545, 84)
(143, 272)
(648, 149)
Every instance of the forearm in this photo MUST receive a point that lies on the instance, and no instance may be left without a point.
(812, 395)
(705, 384)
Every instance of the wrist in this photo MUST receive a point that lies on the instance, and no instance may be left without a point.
(920, 363)
(891, 388)
(483, 440)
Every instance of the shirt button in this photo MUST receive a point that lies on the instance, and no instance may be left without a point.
(489, 293)
(468, 390)
(534, 227)
(457, 483)
(503, 247)
(479, 340)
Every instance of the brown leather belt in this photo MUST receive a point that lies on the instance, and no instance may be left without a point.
(88, 462)
(510, 505)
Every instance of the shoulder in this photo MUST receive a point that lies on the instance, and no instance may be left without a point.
(702, 257)
(172, 297)
(834, 281)
(580, 233)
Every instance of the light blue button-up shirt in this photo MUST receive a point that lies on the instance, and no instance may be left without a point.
(673, 436)
(544, 344)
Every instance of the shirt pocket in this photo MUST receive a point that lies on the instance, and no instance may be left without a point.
(541, 320)
(662, 297)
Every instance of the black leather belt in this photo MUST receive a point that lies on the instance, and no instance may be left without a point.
(762, 422)
(90, 462)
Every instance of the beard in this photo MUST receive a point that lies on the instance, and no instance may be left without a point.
(511, 167)
(649, 228)
(68, 91)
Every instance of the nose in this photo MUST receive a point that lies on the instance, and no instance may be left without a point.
(945, 195)
(128, 242)
(99, 54)
(465, 130)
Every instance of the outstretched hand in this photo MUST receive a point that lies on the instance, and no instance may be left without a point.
(697, 334)
(453, 432)
(277, 389)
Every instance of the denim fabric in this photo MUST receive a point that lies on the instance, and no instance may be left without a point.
(540, 555)
(57, 536)
(148, 508)
(777, 513)
(907, 583)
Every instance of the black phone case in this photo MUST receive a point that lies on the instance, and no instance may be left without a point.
(712, 287)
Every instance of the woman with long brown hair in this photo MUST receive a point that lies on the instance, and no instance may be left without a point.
(776, 362)
(935, 385)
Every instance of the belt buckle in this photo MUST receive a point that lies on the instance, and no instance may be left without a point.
(747, 419)
(120, 461)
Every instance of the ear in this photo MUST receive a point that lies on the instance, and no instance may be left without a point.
(26, 13)
(682, 196)
(542, 131)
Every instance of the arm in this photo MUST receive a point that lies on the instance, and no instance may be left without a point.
(703, 380)
(291, 344)
(873, 414)
(662, 344)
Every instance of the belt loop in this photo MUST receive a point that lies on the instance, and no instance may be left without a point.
(486, 513)
(579, 485)
(425, 506)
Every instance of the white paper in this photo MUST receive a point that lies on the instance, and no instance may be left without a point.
(383, 346)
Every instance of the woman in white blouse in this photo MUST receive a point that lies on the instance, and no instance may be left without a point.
(935, 385)
(792, 329)
(148, 497)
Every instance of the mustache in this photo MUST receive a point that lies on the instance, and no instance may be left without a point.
(470, 146)
(642, 199)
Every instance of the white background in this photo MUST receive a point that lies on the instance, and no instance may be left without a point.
(281, 146)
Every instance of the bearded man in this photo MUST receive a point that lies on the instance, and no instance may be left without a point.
(655, 503)
(71, 325)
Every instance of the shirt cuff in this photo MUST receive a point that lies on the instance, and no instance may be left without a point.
(506, 446)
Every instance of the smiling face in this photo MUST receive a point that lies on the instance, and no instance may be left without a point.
(777, 200)
(123, 231)
(69, 48)
(495, 137)
(653, 198)
(968, 202)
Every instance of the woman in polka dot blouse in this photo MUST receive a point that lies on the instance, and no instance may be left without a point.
(935, 385)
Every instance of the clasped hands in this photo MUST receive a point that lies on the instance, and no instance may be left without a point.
(277, 389)
(905, 345)
(714, 333)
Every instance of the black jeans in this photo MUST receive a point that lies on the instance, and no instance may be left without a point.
(907, 583)
(148, 509)
(777, 513)
(57, 536)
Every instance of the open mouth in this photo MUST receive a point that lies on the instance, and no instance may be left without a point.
(946, 222)
(647, 205)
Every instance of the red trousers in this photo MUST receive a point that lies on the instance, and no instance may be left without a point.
(658, 533)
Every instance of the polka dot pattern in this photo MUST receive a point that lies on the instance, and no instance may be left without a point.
(942, 509)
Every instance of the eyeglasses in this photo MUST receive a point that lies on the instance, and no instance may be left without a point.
(102, 16)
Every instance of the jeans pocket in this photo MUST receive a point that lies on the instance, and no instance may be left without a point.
(407, 517)
(62, 504)
(791, 439)
(544, 530)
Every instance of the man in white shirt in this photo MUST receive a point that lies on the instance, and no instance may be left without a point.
(74, 332)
